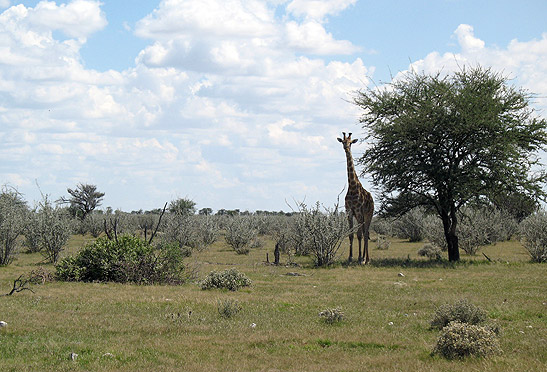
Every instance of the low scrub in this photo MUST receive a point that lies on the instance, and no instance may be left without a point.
(228, 308)
(126, 259)
(459, 340)
(461, 311)
(430, 251)
(230, 279)
(331, 316)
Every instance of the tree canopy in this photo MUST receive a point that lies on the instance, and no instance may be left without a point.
(444, 140)
(182, 206)
(83, 199)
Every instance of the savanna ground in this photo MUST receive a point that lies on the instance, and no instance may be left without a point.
(121, 327)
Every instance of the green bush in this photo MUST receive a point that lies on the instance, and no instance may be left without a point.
(458, 340)
(229, 279)
(461, 311)
(127, 259)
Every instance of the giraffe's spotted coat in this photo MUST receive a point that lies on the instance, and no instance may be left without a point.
(358, 202)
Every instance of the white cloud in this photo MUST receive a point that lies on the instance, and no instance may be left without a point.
(467, 39)
(175, 19)
(228, 102)
(318, 9)
(311, 37)
(78, 18)
(524, 61)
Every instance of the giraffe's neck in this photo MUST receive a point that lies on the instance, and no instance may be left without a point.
(353, 180)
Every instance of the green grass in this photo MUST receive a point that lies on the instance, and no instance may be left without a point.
(169, 328)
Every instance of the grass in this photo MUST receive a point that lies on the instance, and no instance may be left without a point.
(115, 327)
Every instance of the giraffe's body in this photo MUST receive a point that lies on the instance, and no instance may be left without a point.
(359, 204)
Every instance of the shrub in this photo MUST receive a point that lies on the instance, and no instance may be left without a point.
(228, 308)
(476, 227)
(241, 231)
(430, 251)
(93, 223)
(127, 259)
(382, 243)
(533, 232)
(182, 229)
(324, 232)
(382, 226)
(13, 210)
(458, 340)
(298, 238)
(461, 311)
(230, 279)
(410, 225)
(332, 316)
(54, 229)
(208, 229)
(32, 234)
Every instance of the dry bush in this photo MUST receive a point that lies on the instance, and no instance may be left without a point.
(461, 311)
(228, 279)
(430, 251)
(458, 340)
(332, 315)
(322, 231)
(533, 232)
(241, 232)
(13, 210)
(410, 225)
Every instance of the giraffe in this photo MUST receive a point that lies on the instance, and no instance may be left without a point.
(358, 202)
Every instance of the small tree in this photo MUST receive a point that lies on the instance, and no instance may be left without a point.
(54, 229)
(13, 210)
(327, 230)
(205, 212)
(444, 141)
(534, 236)
(83, 199)
(241, 231)
(182, 207)
(410, 225)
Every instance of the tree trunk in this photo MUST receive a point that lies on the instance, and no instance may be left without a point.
(453, 249)
(276, 254)
(450, 222)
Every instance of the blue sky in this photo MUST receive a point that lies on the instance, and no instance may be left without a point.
(232, 103)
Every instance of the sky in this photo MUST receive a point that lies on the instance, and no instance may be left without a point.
(235, 104)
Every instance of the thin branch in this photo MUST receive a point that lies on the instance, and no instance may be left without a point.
(158, 225)
(19, 285)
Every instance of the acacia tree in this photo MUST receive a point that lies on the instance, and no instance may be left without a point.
(83, 199)
(443, 141)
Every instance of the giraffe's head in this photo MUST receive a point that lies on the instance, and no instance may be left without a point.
(347, 141)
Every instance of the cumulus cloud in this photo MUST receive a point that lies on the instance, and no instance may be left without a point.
(318, 9)
(524, 61)
(311, 37)
(231, 101)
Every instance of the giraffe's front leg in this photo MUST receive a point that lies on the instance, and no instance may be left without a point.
(350, 221)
